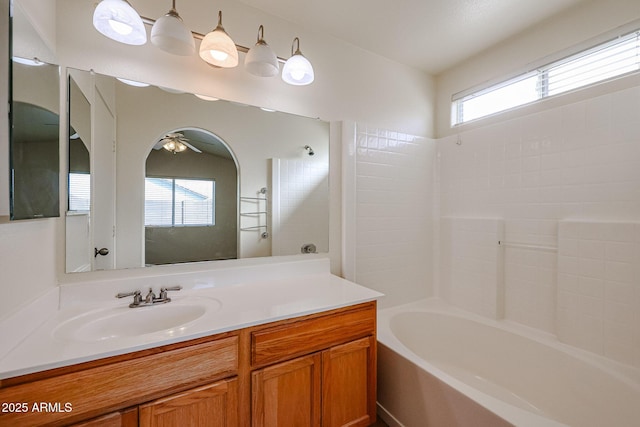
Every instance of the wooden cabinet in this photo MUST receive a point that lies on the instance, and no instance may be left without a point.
(348, 384)
(124, 418)
(315, 370)
(109, 385)
(288, 393)
(214, 405)
(333, 386)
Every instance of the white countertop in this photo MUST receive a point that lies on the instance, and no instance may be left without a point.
(232, 307)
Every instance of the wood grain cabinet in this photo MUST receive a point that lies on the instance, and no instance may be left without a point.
(214, 405)
(315, 370)
(333, 385)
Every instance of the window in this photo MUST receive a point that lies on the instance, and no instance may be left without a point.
(605, 61)
(79, 191)
(172, 202)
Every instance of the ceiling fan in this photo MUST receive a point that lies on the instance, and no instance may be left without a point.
(175, 143)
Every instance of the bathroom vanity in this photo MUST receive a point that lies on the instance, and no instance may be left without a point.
(315, 365)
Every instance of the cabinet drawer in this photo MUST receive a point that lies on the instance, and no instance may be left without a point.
(122, 384)
(290, 339)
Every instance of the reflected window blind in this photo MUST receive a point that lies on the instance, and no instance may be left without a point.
(79, 191)
(171, 202)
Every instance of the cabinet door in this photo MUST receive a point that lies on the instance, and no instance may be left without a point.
(125, 418)
(349, 384)
(214, 405)
(288, 394)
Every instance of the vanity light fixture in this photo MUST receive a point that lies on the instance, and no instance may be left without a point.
(297, 70)
(261, 61)
(119, 21)
(218, 49)
(171, 35)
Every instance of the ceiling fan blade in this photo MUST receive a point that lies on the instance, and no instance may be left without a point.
(191, 146)
(159, 144)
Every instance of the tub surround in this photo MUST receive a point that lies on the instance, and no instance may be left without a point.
(237, 298)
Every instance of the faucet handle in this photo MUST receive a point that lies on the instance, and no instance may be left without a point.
(127, 294)
(164, 289)
(137, 297)
(150, 296)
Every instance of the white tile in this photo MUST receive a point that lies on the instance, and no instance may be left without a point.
(620, 271)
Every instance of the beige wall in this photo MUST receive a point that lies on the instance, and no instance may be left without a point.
(168, 245)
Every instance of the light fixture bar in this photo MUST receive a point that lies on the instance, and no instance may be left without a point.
(200, 36)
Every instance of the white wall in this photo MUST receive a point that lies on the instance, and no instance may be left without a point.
(584, 25)
(28, 260)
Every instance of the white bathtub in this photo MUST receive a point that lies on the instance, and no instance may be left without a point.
(440, 366)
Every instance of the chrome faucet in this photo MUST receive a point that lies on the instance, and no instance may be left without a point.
(150, 298)
(137, 298)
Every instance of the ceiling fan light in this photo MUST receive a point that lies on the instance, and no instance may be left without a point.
(261, 60)
(174, 146)
(218, 49)
(117, 20)
(171, 35)
(297, 70)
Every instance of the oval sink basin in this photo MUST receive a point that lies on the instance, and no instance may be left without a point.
(122, 321)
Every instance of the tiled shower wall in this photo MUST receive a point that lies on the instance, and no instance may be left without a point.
(394, 212)
(598, 291)
(579, 162)
(300, 214)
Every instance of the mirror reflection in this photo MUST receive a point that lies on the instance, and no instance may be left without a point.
(191, 199)
(35, 125)
(180, 178)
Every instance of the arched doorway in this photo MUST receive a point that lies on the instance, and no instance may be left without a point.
(191, 199)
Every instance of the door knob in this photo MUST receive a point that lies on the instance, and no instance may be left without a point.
(103, 252)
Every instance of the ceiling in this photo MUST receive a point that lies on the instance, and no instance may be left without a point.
(431, 35)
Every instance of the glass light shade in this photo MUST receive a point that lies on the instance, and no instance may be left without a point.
(171, 35)
(218, 49)
(261, 61)
(297, 70)
(174, 146)
(117, 20)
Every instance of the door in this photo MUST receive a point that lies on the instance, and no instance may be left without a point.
(349, 384)
(103, 183)
(288, 394)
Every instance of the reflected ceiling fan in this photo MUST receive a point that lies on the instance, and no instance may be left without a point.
(175, 143)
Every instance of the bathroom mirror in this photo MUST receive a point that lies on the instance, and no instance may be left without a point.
(269, 170)
(34, 124)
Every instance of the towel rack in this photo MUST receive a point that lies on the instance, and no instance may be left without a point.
(257, 213)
